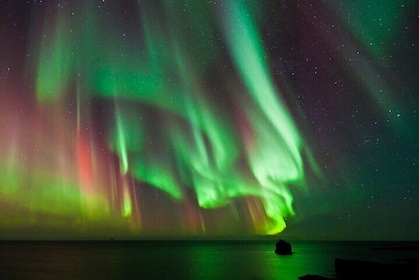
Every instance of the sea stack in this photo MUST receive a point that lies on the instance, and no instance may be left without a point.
(283, 247)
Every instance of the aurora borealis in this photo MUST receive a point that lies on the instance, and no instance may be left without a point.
(208, 118)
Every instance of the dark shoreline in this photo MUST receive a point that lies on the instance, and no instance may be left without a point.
(349, 269)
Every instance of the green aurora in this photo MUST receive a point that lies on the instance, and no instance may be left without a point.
(171, 118)
(253, 151)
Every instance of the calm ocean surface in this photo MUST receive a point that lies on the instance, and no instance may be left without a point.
(183, 259)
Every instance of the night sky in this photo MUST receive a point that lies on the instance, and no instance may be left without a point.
(203, 119)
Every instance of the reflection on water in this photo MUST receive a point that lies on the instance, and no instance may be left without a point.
(175, 260)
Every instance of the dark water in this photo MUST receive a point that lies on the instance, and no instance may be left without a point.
(183, 259)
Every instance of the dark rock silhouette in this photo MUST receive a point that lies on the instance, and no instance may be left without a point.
(359, 269)
(349, 269)
(283, 247)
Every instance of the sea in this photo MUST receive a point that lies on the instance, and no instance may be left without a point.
(188, 259)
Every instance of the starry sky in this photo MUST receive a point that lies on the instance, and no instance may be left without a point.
(203, 119)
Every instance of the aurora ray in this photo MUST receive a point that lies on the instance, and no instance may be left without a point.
(164, 129)
(193, 117)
